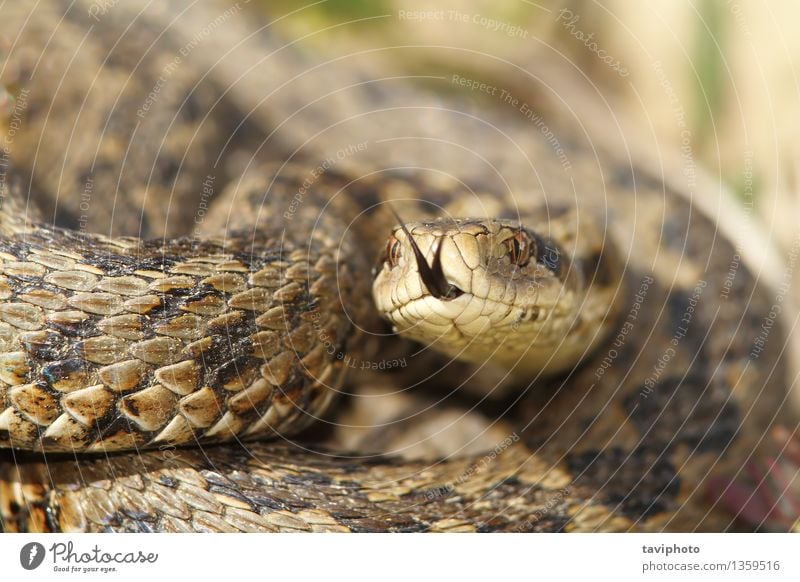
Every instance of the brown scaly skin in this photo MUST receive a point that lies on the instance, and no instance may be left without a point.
(127, 393)
(197, 323)
(619, 443)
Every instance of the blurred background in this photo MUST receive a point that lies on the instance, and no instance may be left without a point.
(719, 74)
(726, 71)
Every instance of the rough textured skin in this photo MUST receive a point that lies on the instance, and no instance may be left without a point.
(271, 487)
(236, 332)
(119, 344)
(513, 299)
(121, 164)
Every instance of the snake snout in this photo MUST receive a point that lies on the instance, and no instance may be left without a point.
(433, 276)
(452, 293)
(438, 283)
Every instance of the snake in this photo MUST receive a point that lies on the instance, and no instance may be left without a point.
(588, 301)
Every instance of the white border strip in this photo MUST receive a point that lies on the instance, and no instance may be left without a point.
(406, 557)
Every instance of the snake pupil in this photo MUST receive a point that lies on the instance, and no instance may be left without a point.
(519, 249)
(393, 251)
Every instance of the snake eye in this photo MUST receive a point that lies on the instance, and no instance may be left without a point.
(393, 251)
(519, 248)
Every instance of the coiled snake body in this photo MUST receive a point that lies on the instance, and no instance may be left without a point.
(588, 296)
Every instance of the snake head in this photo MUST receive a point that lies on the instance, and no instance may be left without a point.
(483, 290)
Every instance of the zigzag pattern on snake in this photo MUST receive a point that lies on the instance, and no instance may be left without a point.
(633, 380)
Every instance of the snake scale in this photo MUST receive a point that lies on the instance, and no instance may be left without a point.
(578, 295)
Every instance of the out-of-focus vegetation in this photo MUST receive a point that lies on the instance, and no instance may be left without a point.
(731, 65)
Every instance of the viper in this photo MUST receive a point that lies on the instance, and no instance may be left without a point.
(576, 296)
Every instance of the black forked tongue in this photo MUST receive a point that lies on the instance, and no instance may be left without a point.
(432, 277)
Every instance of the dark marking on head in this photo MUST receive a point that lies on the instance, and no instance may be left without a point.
(598, 270)
(548, 254)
